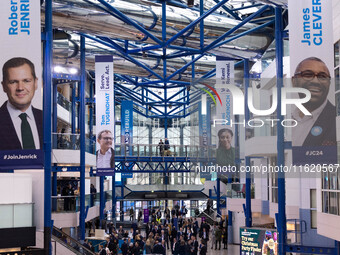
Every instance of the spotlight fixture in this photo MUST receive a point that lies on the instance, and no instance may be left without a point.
(170, 106)
(190, 3)
(188, 88)
(149, 108)
(58, 69)
(73, 70)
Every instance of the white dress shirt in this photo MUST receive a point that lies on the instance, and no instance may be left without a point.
(14, 113)
(305, 123)
(103, 161)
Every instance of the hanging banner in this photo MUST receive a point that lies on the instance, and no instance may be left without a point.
(311, 65)
(105, 118)
(225, 152)
(127, 133)
(204, 134)
(21, 129)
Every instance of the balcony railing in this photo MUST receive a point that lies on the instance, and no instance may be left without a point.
(72, 203)
(153, 150)
(69, 141)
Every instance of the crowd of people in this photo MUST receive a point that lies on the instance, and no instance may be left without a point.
(174, 233)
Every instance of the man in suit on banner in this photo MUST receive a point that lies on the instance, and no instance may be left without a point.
(105, 155)
(317, 129)
(21, 123)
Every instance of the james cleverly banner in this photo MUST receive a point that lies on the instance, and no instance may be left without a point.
(225, 152)
(21, 129)
(105, 118)
(311, 67)
(127, 132)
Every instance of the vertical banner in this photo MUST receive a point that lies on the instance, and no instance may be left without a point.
(225, 152)
(105, 118)
(21, 129)
(204, 132)
(311, 65)
(127, 132)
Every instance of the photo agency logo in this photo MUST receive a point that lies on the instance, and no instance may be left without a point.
(235, 105)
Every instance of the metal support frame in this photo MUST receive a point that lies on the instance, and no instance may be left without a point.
(280, 134)
(82, 138)
(248, 211)
(102, 200)
(47, 112)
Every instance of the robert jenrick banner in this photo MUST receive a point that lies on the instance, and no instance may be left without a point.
(311, 58)
(104, 115)
(21, 134)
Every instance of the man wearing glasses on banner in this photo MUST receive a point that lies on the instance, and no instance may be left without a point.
(317, 129)
(105, 155)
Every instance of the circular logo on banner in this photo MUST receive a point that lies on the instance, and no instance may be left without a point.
(317, 130)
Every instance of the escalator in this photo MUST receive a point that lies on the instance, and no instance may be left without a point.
(65, 244)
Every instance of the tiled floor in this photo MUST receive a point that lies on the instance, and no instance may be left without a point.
(232, 250)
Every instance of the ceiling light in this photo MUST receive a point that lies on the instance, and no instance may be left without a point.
(58, 69)
(73, 70)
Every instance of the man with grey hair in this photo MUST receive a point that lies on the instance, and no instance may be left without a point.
(105, 155)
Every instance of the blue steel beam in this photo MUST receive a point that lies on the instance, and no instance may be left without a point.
(280, 134)
(182, 48)
(231, 12)
(125, 18)
(126, 78)
(47, 129)
(127, 95)
(201, 25)
(248, 211)
(247, 7)
(82, 138)
(132, 94)
(194, 23)
(210, 46)
(176, 94)
(246, 20)
(124, 54)
(244, 33)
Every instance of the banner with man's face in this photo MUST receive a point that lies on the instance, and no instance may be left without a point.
(311, 68)
(105, 117)
(21, 129)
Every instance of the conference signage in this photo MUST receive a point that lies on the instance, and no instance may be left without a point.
(311, 67)
(105, 117)
(127, 133)
(225, 152)
(204, 133)
(21, 129)
(258, 241)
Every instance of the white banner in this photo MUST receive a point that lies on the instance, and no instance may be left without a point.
(225, 153)
(311, 58)
(105, 117)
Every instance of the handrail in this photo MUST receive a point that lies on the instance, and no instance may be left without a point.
(78, 244)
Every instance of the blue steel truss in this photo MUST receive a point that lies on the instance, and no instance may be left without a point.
(148, 99)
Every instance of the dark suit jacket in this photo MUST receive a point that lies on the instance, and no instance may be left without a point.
(112, 160)
(326, 121)
(8, 137)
